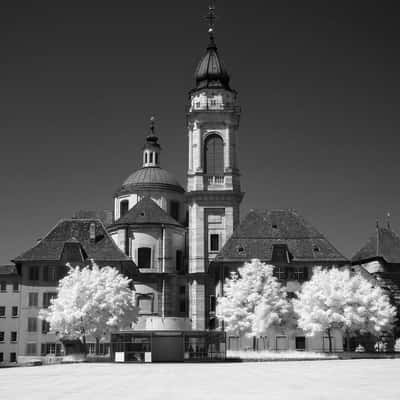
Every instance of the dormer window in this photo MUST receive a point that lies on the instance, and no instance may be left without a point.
(280, 254)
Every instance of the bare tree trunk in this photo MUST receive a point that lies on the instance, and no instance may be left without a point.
(347, 341)
(330, 339)
(84, 344)
(97, 346)
(83, 331)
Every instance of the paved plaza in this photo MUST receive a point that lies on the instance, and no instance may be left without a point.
(322, 380)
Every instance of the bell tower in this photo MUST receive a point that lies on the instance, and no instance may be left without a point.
(213, 179)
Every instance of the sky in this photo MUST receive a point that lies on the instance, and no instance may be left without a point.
(318, 83)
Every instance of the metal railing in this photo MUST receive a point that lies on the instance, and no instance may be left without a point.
(218, 107)
(215, 180)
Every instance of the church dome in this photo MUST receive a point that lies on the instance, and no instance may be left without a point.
(151, 178)
(210, 72)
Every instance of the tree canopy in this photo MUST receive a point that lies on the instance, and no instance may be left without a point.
(253, 300)
(91, 301)
(335, 299)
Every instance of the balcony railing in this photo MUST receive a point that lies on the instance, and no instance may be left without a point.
(209, 107)
(215, 180)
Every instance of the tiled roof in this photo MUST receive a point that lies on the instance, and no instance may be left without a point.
(384, 244)
(261, 230)
(106, 217)
(150, 177)
(51, 247)
(146, 212)
(8, 270)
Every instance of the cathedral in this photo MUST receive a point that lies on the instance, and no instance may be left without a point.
(177, 243)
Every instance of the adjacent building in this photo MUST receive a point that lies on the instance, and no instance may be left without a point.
(71, 241)
(286, 240)
(9, 313)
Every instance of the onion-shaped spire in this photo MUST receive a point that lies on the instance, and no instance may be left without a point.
(210, 72)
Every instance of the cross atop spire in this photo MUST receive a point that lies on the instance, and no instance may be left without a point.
(152, 126)
(211, 17)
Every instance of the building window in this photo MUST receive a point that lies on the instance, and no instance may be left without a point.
(1, 357)
(13, 337)
(15, 287)
(300, 343)
(51, 348)
(104, 348)
(213, 303)
(145, 303)
(280, 273)
(156, 157)
(47, 298)
(151, 158)
(33, 299)
(32, 324)
(214, 242)
(214, 155)
(144, 257)
(300, 274)
(174, 209)
(182, 299)
(61, 272)
(3, 286)
(179, 260)
(2, 311)
(14, 311)
(123, 208)
(31, 349)
(49, 274)
(13, 357)
(34, 273)
(1, 336)
(45, 327)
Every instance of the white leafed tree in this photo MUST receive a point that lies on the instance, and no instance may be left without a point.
(91, 301)
(335, 299)
(253, 300)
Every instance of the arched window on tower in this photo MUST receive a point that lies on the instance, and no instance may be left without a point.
(214, 155)
(123, 208)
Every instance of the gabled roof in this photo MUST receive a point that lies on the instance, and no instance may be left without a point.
(146, 212)
(70, 234)
(260, 231)
(385, 243)
(105, 216)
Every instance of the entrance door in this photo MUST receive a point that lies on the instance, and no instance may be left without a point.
(167, 349)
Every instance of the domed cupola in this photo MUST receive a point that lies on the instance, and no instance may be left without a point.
(151, 175)
(151, 181)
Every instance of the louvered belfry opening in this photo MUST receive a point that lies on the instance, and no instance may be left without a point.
(214, 155)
